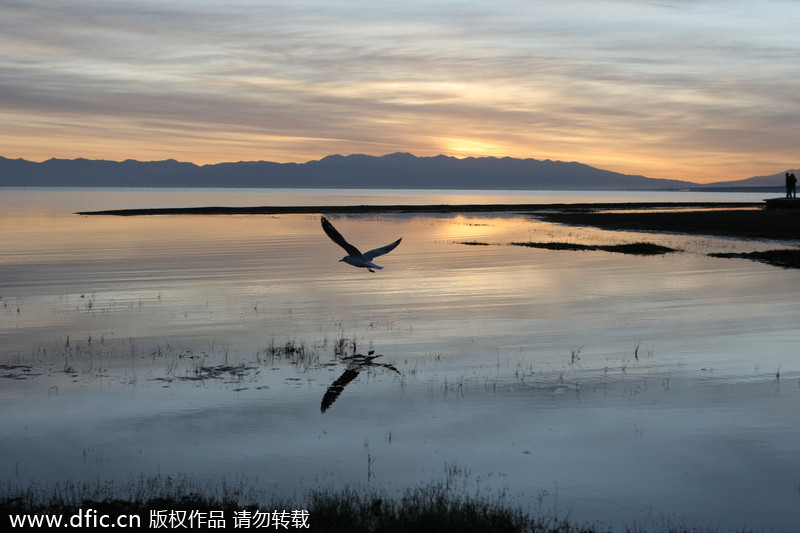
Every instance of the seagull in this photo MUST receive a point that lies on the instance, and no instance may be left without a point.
(354, 257)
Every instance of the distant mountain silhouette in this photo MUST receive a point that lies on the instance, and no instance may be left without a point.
(398, 170)
(773, 180)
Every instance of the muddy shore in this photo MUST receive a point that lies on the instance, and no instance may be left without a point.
(413, 208)
(729, 219)
(742, 222)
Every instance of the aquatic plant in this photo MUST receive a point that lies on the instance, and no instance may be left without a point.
(784, 258)
(439, 506)
(292, 351)
(635, 248)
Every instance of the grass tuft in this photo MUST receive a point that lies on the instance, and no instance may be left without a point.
(435, 507)
(636, 248)
(787, 258)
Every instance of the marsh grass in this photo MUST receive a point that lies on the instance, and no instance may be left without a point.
(300, 354)
(86, 359)
(635, 248)
(135, 495)
(449, 504)
(93, 358)
(434, 507)
(784, 258)
(440, 506)
(17, 371)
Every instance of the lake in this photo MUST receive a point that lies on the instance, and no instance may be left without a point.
(629, 390)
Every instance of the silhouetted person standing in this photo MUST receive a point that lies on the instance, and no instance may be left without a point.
(791, 185)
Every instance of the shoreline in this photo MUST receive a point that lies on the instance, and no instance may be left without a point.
(414, 208)
(737, 220)
(744, 220)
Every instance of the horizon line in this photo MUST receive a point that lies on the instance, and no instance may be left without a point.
(355, 154)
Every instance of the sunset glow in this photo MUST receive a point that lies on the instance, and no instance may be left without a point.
(701, 91)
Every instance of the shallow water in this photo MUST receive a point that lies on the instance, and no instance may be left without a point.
(611, 387)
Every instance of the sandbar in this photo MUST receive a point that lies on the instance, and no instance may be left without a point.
(746, 220)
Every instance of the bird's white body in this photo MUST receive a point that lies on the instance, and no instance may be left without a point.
(359, 262)
(354, 256)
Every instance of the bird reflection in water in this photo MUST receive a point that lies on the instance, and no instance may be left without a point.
(355, 364)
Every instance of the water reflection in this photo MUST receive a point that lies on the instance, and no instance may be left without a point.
(486, 334)
(355, 365)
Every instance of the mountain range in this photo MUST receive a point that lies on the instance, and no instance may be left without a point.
(392, 171)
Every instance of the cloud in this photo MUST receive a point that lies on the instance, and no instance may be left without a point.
(687, 90)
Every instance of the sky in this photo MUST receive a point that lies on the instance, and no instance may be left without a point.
(700, 90)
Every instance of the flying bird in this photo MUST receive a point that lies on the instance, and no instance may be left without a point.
(354, 256)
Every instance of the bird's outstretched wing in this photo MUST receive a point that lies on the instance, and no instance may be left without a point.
(355, 364)
(390, 367)
(337, 387)
(338, 239)
(369, 256)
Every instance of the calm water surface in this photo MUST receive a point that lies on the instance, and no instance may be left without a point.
(618, 388)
